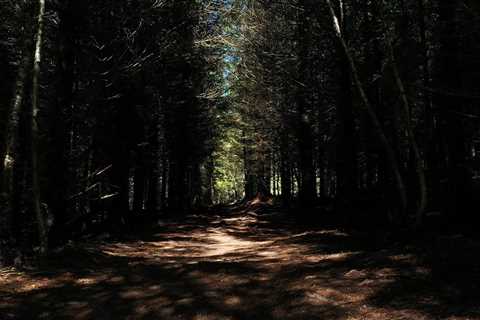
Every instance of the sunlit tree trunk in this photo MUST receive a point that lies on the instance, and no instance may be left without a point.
(11, 153)
(37, 206)
(10, 159)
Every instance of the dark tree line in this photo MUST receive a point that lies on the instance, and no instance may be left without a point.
(369, 104)
(110, 111)
(109, 121)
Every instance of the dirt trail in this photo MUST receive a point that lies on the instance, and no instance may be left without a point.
(235, 266)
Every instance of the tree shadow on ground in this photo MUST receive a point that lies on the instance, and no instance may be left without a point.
(449, 290)
(238, 267)
(126, 288)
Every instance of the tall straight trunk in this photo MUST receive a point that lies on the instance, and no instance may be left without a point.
(139, 183)
(153, 192)
(250, 173)
(121, 160)
(10, 161)
(307, 188)
(274, 173)
(267, 172)
(346, 155)
(178, 170)
(429, 117)
(121, 180)
(165, 182)
(177, 185)
(208, 194)
(346, 164)
(41, 223)
(323, 174)
(430, 140)
(154, 200)
(389, 152)
(285, 171)
(373, 177)
(414, 160)
(13, 125)
(60, 131)
(449, 78)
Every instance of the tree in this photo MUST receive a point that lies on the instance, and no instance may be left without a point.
(37, 204)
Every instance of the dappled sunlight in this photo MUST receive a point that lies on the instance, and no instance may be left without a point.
(240, 266)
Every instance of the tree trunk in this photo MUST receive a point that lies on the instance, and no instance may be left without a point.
(285, 172)
(139, 182)
(165, 182)
(453, 128)
(307, 188)
(154, 199)
(121, 161)
(10, 160)
(346, 162)
(37, 206)
(177, 185)
(60, 146)
(430, 140)
(13, 125)
(249, 171)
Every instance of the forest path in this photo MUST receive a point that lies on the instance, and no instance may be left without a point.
(240, 265)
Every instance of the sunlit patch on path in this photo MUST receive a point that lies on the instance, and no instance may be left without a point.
(236, 266)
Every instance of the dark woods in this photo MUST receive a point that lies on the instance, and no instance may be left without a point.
(111, 111)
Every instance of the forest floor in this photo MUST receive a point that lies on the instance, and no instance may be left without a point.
(248, 265)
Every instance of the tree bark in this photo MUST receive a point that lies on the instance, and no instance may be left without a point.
(139, 183)
(307, 187)
(13, 124)
(59, 125)
(37, 206)
(346, 162)
(285, 171)
(165, 182)
(10, 159)
(452, 125)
